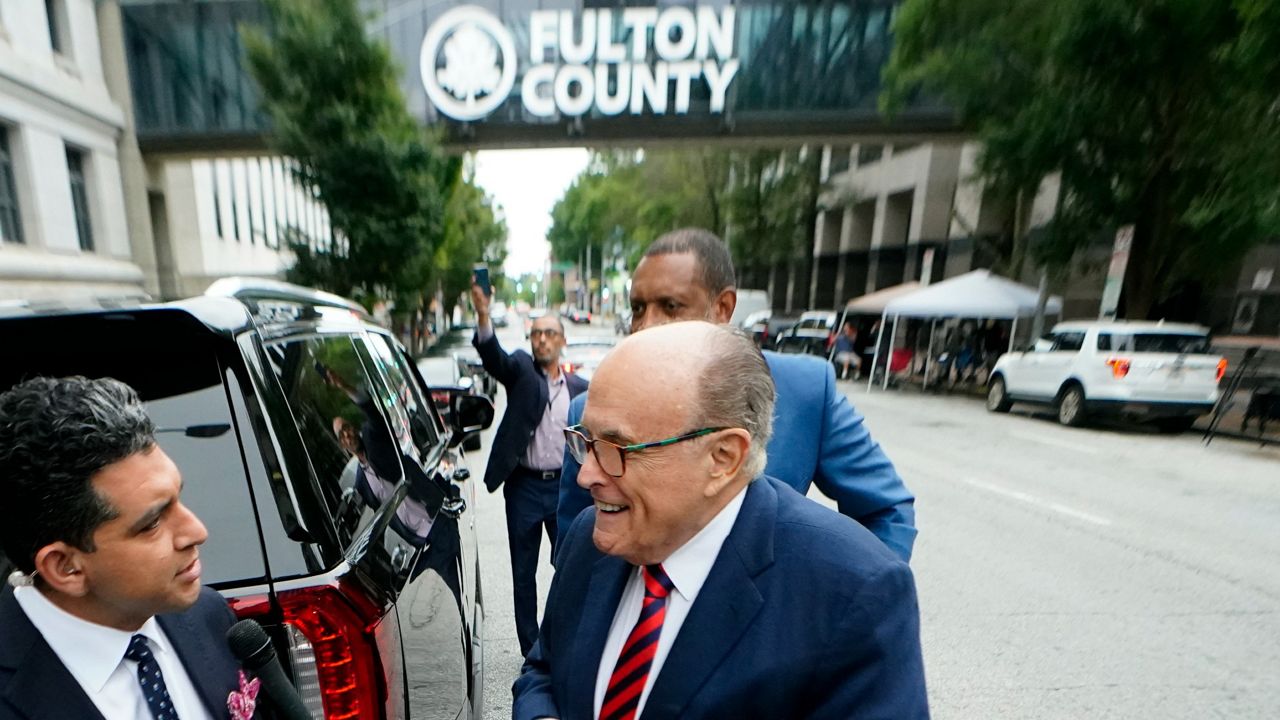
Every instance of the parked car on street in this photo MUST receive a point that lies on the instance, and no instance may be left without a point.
(498, 314)
(812, 335)
(577, 316)
(337, 500)
(1159, 372)
(584, 356)
(529, 317)
(749, 303)
(757, 326)
(774, 328)
(469, 376)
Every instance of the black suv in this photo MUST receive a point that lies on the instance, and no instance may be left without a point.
(337, 501)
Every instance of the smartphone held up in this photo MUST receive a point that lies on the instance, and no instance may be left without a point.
(480, 273)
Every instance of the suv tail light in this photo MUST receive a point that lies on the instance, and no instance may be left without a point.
(332, 649)
(1222, 369)
(1119, 367)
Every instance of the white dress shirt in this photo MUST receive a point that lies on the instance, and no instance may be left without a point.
(94, 655)
(688, 568)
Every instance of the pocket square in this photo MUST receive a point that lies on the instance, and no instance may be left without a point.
(242, 702)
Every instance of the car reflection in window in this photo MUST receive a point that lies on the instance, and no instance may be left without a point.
(378, 471)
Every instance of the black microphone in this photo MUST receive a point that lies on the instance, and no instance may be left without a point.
(250, 644)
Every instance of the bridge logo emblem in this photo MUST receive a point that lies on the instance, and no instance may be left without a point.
(468, 63)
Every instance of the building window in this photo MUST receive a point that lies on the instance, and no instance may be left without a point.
(80, 197)
(868, 154)
(10, 218)
(53, 13)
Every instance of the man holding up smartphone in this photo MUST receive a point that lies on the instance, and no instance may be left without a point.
(528, 446)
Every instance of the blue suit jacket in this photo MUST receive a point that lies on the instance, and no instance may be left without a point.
(526, 385)
(37, 686)
(804, 615)
(817, 437)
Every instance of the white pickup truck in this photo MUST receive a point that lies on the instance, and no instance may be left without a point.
(1162, 372)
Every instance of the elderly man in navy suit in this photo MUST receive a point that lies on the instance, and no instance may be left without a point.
(699, 588)
(818, 437)
(107, 617)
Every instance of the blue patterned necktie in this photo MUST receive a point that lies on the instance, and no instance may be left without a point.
(150, 679)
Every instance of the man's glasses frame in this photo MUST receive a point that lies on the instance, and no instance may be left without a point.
(549, 332)
(579, 444)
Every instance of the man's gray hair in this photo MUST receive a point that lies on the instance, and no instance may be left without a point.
(715, 266)
(736, 390)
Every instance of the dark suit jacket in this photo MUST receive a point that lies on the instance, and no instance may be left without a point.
(819, 438)
(805, 615)
(35, 685)
(526, 385)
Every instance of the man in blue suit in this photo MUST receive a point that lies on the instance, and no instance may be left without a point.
(528, 447)
(818, 437)
(699, 588)
(107, 617)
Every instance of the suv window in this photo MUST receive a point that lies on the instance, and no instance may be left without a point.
(1068, 341)
(214, 484)
(183, 387)
(343, 426)
(423, 432)
(1173, 343)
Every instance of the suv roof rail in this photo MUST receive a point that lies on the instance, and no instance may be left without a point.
(252, 291)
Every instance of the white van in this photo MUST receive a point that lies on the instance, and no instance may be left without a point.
(749, 303)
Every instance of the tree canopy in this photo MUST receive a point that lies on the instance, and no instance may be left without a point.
(1157, 113)
(762, 201)
(406, 221)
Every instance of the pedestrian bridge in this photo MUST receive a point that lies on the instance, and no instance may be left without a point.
(538, 73)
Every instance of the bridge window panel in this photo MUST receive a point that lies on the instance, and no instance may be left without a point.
(235, 200)
(215, 167)
(10, 213)
(55, 13)
(76, 171)
(839, 160)
(253, 187)
(869, 153)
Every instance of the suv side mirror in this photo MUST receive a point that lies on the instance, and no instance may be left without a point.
(1042, 345)
(469, 414)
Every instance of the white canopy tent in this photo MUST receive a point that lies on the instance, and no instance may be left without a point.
(874, 303)
(977, 294)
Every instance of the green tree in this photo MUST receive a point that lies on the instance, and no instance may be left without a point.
(1156, 113)
(474, 233)
(336, 107)
(772, 203)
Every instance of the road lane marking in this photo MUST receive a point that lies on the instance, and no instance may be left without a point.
(1065, 444)
(1032, 500)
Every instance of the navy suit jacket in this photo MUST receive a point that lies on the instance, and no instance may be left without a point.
(804, 615)
(527, 396)
(35, 685)
(817, 437)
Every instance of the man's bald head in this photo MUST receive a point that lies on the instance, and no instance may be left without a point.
(683, 413)
(722, 370)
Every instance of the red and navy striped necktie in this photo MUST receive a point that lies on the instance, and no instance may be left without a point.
(629, 675)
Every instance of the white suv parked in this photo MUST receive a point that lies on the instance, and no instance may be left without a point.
(1152, 371)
